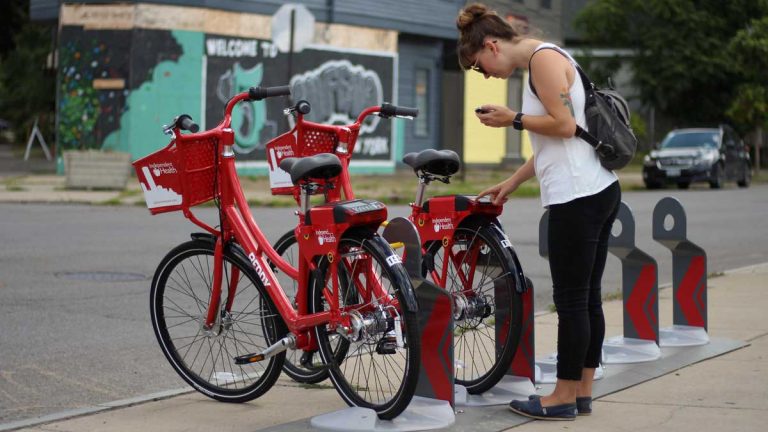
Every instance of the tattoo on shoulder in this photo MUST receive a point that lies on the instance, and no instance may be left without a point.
(565, 96)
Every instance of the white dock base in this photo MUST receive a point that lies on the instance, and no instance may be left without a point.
(510, 387)
(681, 335)
(619, 349)
(421, 414)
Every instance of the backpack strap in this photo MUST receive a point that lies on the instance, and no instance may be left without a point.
(589, 88)
(585, 81)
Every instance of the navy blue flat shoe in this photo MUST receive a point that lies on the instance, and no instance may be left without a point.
(583, 404)
(532, 409)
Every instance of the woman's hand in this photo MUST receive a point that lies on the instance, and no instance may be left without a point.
(499, 192)
(496, 116)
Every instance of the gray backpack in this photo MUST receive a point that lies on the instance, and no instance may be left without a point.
(607, 115)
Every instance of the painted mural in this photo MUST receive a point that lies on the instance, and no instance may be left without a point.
(87, 114)
(164, 85)
(119, 87)
(338, 85)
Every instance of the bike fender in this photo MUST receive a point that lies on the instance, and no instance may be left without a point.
(402, 279)
(476, 221)
(232, 246)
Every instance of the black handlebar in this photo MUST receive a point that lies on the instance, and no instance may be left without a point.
(303, 107)
(389, 110)
(259, 93)
(185, 122)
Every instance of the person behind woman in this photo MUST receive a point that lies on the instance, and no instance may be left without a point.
(582, 196)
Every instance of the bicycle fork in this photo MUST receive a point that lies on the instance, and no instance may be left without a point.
(213, 318)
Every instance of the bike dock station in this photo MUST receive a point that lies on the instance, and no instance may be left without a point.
(636, 356)
(689, 277)
(640, 292)
(432, 406)
(631, 358)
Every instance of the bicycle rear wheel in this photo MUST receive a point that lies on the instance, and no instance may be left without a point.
(204, 358)
(488, 311)
(381, 367)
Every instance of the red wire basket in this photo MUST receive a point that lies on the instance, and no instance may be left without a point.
(307, 139)
(180, 175)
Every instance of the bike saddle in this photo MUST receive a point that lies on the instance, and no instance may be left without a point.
(438, 162)
(320, 166)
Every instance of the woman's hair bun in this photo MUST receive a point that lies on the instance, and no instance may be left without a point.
(469, 15)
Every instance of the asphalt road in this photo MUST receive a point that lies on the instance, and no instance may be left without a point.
(67, 343)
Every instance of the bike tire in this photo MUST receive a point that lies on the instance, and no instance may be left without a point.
(205, 359)
(389, 381)
(483, 348)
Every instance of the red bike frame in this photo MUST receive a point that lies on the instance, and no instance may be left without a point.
(238, 224)
(447, 212)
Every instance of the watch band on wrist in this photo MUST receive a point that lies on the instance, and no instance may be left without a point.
(517, 123)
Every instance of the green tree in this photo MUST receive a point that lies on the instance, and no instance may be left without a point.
(27, 87)
(749, 108)
(13, 15)
(682, 65)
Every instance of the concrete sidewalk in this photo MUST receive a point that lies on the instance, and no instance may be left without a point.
(725, 393)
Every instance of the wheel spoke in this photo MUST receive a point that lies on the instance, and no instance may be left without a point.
(205, 357)
(479, 278)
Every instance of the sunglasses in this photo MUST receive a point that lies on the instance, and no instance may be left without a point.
(476, 65)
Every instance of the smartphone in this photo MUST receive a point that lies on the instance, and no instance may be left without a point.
(481, 110)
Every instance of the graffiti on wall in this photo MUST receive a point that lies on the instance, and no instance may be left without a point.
(340, 91)
(162, 74)
(98, 83)
(338, 85)
(86, 113)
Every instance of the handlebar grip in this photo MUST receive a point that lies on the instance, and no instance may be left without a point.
(389, 110)
(259, 93)
(303, 107)
(185, 122)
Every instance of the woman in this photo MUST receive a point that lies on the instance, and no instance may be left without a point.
(582, 196)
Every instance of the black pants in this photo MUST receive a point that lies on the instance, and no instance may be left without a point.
(578, 247)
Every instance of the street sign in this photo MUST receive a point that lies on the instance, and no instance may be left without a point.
(303, 27)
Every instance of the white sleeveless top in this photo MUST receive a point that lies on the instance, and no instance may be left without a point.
(567, 168)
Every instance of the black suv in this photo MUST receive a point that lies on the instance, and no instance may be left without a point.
(692, 155)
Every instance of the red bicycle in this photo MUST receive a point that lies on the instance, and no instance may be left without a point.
(219, 312)
(465, 251)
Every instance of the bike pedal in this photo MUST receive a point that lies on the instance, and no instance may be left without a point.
(249, 358)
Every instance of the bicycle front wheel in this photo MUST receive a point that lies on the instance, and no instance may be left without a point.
(381, 366)
(204, 358)
(478, 272)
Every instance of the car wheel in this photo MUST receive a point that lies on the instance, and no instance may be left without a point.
(683, 184)
(746, 176)
(717, 177)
